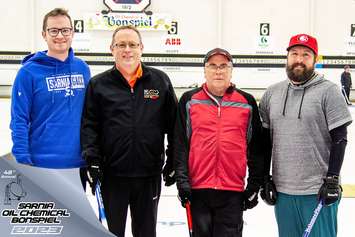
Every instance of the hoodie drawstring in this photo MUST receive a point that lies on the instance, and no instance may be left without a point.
(55, 74)
(284, 109)
(299, 110)
(70, 87)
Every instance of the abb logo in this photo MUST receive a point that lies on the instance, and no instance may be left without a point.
(173, 41)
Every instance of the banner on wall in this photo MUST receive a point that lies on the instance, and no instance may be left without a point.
(263, 42)
(142, 21)
(172, 41)
(127, 5)
(350, 42)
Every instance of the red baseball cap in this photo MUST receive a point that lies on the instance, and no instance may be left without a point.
(304, 40)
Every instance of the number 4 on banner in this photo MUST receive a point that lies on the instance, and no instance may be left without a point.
(78, 26)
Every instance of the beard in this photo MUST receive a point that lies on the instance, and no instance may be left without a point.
(298, 75)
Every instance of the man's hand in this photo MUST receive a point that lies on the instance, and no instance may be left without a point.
(268, 191)
(168, 175)
(250, 197)
(184, 196)
(94, 174)
(330, 191)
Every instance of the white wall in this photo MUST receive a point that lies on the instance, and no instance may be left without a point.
(241, 21)
(332, 21)
(202, 25)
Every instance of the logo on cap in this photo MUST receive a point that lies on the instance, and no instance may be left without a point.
(303, 38)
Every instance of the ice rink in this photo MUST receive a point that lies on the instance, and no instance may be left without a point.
(259, 221)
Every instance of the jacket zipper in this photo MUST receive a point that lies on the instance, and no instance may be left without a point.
(218, 139)
(218, 132)
(133, 120)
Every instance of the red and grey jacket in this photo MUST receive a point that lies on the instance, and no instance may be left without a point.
(215, 140)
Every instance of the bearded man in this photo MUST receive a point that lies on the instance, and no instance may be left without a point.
(305, 121)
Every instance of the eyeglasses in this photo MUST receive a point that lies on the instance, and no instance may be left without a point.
(55, 31)
(131, 45)
(223, 67)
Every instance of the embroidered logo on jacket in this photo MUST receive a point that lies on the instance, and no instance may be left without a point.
(66, 83)
(151, 94)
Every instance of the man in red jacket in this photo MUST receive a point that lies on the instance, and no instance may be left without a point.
(217, 136)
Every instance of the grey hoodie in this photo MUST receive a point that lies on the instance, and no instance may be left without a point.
(299, 119)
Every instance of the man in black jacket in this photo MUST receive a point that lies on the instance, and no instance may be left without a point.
(346, 82)
(128, 110)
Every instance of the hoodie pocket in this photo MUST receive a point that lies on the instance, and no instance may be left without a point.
(57, 139)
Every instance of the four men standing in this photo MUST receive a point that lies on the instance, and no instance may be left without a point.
(217, 135)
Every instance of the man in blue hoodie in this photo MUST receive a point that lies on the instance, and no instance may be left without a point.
(47, 100)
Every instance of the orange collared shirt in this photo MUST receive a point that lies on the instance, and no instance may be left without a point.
(136, 76)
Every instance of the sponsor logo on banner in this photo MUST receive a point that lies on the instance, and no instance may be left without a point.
(155, 22)
(172, 41)
(263, 41)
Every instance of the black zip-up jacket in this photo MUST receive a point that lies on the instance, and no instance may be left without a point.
(123, 128)
(346, 79)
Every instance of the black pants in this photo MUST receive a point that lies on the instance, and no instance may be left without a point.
(347, 92)
(216, 213)
(141, 195)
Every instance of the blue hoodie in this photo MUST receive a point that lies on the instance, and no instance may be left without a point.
(46, 106)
